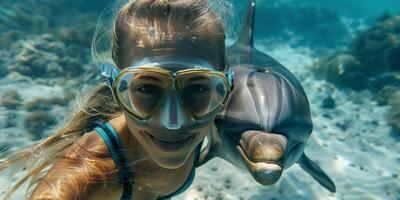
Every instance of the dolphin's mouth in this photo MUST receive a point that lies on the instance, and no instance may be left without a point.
(263, 154)
(265, 173)
(259, 160)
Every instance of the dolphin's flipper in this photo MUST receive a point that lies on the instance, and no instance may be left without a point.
(247, 34)
(316, 172)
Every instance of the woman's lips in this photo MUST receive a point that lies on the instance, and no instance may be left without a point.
(169, 145)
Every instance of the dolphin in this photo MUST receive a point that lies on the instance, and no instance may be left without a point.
(266, 124)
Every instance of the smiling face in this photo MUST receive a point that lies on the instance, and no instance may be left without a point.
(171, 132)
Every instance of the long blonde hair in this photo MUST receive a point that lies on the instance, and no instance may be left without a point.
(131, 24)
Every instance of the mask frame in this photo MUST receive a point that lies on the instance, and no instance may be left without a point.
(113, 76)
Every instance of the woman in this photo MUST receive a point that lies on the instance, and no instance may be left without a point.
(169, 80)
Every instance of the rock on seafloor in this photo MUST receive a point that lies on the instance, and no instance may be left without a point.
(372, 63)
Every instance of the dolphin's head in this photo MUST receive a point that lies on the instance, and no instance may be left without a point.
(267, 120)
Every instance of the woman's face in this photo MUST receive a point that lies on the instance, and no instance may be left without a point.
(172, 133)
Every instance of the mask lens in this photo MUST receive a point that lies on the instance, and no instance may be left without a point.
(141, 91)
(204, 92)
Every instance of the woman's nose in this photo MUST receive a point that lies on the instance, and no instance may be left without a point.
(173, 114)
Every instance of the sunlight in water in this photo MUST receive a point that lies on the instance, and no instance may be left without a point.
(341, 163)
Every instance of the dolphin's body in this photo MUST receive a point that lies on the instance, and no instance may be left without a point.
(269, 99)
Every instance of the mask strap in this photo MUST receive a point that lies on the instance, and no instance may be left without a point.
(110, 72)
(196, 63)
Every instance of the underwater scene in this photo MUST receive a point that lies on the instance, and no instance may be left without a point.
(344, 54)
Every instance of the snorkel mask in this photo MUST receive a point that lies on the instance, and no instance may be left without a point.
(163, 90)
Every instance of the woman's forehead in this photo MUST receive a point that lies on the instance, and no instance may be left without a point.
(179, 50)
(174, 62)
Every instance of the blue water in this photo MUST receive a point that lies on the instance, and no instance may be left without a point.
(345, 54)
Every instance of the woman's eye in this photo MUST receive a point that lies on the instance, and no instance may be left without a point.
(197, 89)
(148, 90)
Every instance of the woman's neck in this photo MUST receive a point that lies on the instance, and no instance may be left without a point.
(152, 180)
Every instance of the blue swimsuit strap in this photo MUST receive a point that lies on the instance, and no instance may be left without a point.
(115, 147)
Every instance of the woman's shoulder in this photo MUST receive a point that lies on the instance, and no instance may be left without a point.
(93, 142)
(119, 125)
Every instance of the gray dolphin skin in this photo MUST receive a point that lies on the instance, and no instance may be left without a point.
(266, 124)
